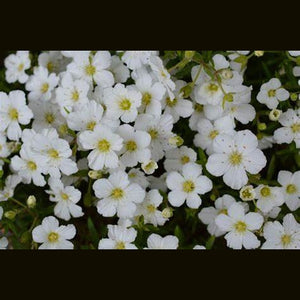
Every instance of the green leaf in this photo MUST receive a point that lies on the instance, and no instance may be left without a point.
(92, 230)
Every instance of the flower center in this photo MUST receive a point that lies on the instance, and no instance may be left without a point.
(171, 102)
(53, 153)
(117, 193)
(185, 159)
(153, 133)
(265, 191)
(49, 118)
(120, 245)
(53, 237)
(125, 104)
(271, 93)
(45, 88)
(63, 129)
(64, 196)
(213, 134)
(20, 67)
(75, 96)
(90, 70)
(13, 114)
(286, 239)
(31, 165)
(146, 99)
(198, 107)
(291, 189)
(235, 158)
(212, 87)
(50, 66)
(151, 208)
(295, 127)
(131, 146)
(246, 194)
(240, 226)
(223, 211)
(104, 145)
(91, 125)
(188, 186)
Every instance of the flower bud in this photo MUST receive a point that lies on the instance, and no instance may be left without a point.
(274, 114)
(247, 193)
(95, 174)
(176, 140)
(31, 201)
(259, 53)
(262, 126)
(167, 212)
(149, 167)
(189, 54)
(294, 96)
(11, 214)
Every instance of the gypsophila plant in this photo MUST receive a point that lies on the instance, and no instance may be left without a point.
(150, 150)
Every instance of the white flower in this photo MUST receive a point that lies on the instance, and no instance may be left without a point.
(16, 65)
(271, 93)
(119, 237)
(41, 84)
(152, 94)
(135, 146)
(11, 182)
(46, 115)
(3, 243)
(104, 145)
(53, 236)
(162, 74)
(155, 241)
(86, 117)
(234, 155)
(208, 131)
(136, 59)
(119, 70)
(178, 106)
(208, 214)
(209, 93)
(265, 142)
(187, 186)
(196, 116)
(149, 209)
(290, 183)
(160, 130)
(285, 236)
(71, 94)
(239, 227)
(55, 151)
(91, 68)
(178, 157)
(29, 166)
(117, 195)
(122, 102)
(4, 149)
(268, 197)
(137, 176)
(53, 61)
(291, 128)
(66, 198)
(13, 112)
(199, 247)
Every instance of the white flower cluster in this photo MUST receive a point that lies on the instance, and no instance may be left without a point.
(112, 116)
